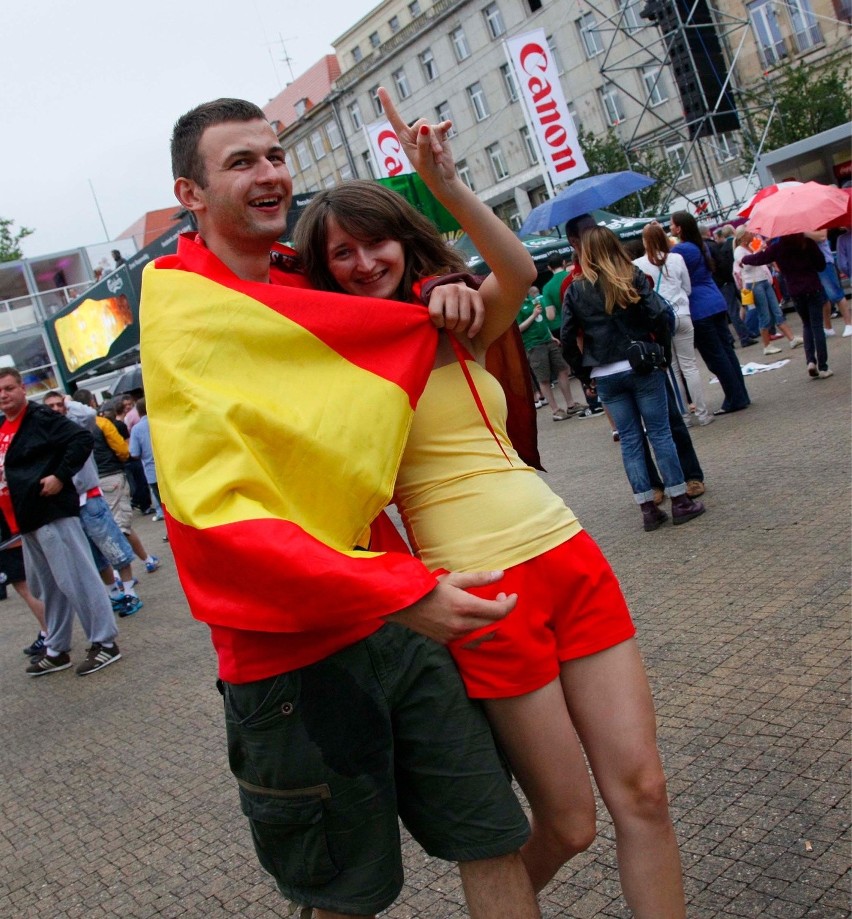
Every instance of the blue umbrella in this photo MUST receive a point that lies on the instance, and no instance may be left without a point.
(582, 197)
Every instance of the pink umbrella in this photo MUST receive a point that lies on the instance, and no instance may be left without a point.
(798, 209)
(764, 193)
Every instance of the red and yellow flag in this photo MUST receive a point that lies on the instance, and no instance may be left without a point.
(278, 418)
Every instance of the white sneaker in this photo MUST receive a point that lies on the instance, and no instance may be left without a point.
(830, 333)
(771, 349)
(825, 374)
(796, 341)
(847, 331)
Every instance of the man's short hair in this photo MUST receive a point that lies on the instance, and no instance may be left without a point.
(11, 372)
(142, 407)
(556, 262)
(53, 394)
(186, 136)
(83, 396)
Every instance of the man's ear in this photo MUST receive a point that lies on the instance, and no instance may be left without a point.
(189, 194)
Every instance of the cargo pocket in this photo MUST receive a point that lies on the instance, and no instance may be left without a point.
(288, 829)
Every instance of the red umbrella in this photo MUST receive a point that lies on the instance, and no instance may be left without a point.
(764, 193)
(798, 209)
(845, 220)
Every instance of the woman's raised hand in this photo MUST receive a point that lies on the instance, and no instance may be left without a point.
(424, 144)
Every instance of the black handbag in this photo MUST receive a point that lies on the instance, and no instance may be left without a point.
(645, 357)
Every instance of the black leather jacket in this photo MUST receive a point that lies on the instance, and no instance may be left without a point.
(605, 338)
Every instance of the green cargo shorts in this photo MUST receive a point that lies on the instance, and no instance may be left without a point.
(328, 755)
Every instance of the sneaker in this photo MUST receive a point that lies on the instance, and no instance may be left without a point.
(36, 649)
(98, 657)
(49, 664)
(771, 349)
(148, 512)
(706, 419)
(616, 437)
(825, 374)
(560, 415)
(127, 606)
(796, 341)
(540, 403)
(590, 412)
(157, 517)
(847, 331)
(830, 333)
(812, 370)
(152, 565)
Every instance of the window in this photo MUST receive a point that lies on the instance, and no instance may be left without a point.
(529, 146)
(806, 30)
(369, 165)
(374, 40)
(345, 172)
(534, 5)
(460, 45)
(767, 32)
(355, 116)
(300, 106)
(592, 41)
(328, 182)
(572, 111)
(375, 101)
(400, 80)
(655, 88)
(290, 159)
(509, 82)
(554, 53)
(676, 155)
(498, 164)
(317, 145)
(332, 132)
(494, 20)
(630, 15)
(612, 105)
(723, 147)
(393, 22)
(414, 9)
(302, 156)
(442, 113)
(357, 54)
(463, 171)
(427, 62)
(508, 213)
(477, 102)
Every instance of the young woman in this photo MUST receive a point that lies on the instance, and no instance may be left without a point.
(670, 277)
(709, 315)
(564, 660)
(612, 305)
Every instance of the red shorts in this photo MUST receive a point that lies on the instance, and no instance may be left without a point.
(569, 605)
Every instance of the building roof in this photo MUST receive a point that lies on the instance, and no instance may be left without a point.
(151, 225)
(313, 85)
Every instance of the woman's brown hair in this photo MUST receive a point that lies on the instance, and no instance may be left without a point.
(656, 244)
(369, 211)
(606, 265)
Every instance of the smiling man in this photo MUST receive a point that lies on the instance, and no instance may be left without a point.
(278, 417)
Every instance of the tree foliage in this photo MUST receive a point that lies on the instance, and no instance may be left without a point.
(605, 153)
(10, 249)
(808, 99)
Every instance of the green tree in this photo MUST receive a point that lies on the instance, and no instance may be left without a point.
(808, 99)
(605, 153)
(10, 249)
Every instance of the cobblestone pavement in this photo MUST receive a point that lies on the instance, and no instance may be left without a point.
(116, 799)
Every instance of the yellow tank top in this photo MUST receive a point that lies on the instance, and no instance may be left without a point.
(467, 506)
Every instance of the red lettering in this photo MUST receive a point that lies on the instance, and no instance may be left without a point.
(556, 135)
(568, 155)
(538, 55)
(389, 144)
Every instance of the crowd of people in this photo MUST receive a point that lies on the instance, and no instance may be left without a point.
(363, 684)
(66, 521)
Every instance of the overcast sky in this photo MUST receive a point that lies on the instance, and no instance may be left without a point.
(89, 92)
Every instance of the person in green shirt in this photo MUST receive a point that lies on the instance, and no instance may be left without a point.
(551, 293)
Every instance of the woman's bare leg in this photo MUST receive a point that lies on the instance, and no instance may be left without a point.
(612, 709)
(538, 738)
(36, 606)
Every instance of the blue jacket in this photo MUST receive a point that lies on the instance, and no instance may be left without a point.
(706, 299)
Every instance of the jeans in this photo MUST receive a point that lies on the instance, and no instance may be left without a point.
(103, 532)
(692, 470)
(631, 400)
(733, 302)
(766, 304)
(714, 343)
(809, 308)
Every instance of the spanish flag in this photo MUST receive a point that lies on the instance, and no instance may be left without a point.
(278, 418)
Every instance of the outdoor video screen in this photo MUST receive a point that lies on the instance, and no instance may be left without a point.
(89, 331)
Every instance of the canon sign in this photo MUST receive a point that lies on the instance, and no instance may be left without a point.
(546, 106)
(387, 150)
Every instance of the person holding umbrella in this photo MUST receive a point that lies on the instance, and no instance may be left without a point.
(800, 261)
